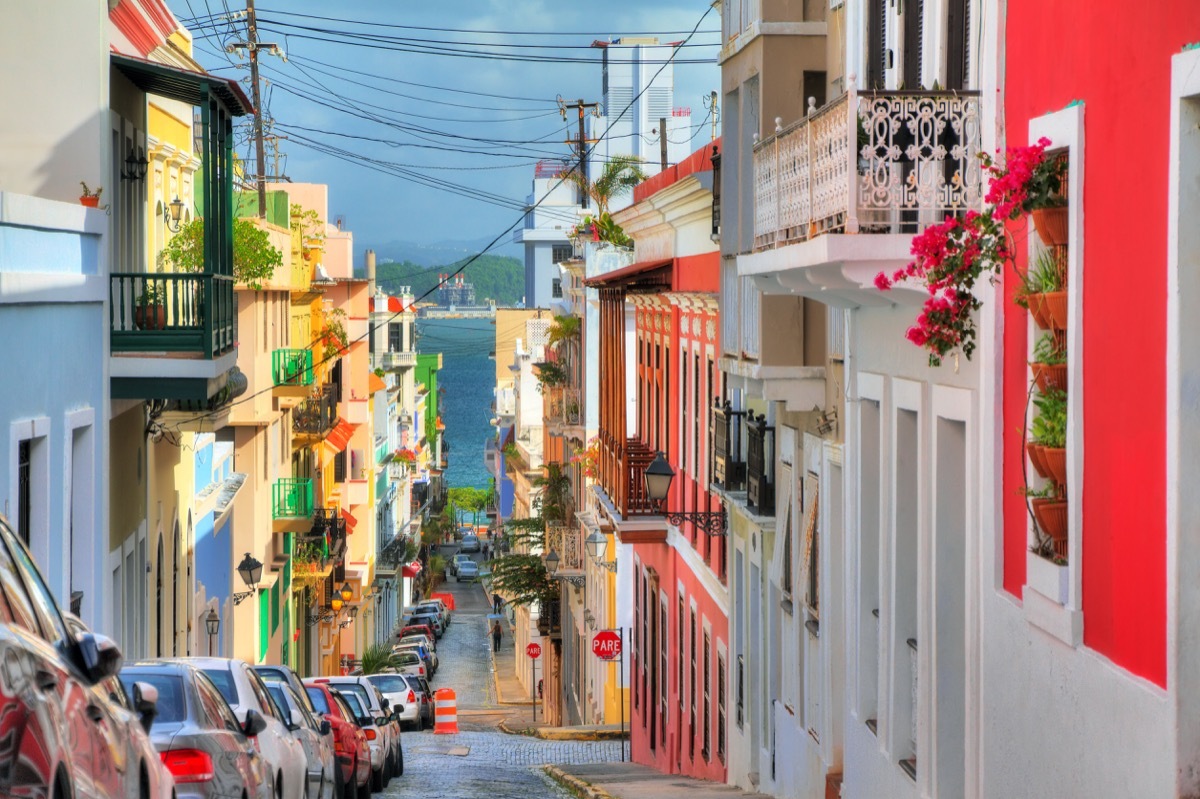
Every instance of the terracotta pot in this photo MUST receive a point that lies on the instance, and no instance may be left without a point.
(1055, 305)
(1037, 309)
(1051, 225)
(150, 317)
(90, 202)
(1035, 457)
(1049, 375)
(1051, 517)
(1055, 459)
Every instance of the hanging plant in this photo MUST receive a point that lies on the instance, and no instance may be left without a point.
(949, 258)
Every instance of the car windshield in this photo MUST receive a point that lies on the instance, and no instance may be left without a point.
(223, 679)
(172, 706)
(462, 556)
(353, 702)
(390, 683)
(414, 682)
(318, 699)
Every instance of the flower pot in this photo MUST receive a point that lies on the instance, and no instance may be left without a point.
(1051, 517)
(1049, 375)
(150, 317)
(1051, 225)
(1035, 457)
(1055, 305)
(91, 202)
(1037, 309)
(1055, 460)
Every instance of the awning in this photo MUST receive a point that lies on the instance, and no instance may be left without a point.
(351, 522)
(182, 84)
(632, 274)
(375, 383)
(339, 437)
(411, 569)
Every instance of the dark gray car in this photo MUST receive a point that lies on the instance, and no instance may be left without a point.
(197, 735)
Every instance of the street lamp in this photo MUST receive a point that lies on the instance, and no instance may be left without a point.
(347, 592)
(336, 604)
(597, 545)
(658, 476)
(174, 214)
(213, 622)
(250, 570)
(552, 561)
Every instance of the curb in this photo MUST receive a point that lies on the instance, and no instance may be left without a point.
(576, 785)
(570, 734)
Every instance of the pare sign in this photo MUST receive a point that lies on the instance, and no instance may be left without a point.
(606, 645)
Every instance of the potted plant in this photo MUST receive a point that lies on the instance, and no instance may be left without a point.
(90, 198)
(1051, 516)
(1043, 292)
(149, 311)
(1049, 364)
(1046, 203)
(1049, 431)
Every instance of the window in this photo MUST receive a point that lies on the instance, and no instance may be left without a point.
(740, 717)
(560, 253)
(811, 564)
(395, 337)
(24, 490)
(706, 750)
(692, 676)
(214, 703)
(556, 287)
(721, 708)
(679, 664)
(786, 580)
(633, 639)
(662, 648)
(53, 628)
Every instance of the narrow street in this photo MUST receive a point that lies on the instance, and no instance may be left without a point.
(480, 761)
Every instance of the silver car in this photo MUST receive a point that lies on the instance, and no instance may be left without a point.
(404, 701)
(197, 736)
(315, 736)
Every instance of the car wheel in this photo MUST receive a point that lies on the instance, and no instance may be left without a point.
(279, 786)
(350, 789)
(364, 790)
(400, 762)
(377, 780)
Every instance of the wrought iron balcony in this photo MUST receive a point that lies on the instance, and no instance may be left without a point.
(317, 415)
(550, 619)
(871, 162)
(292, 368)
(328, 532)
(729, 470)
(760, 466)
(292, 497)
(193, 313)
(567, 542)
(563, 409)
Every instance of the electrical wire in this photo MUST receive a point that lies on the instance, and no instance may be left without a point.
(459, 270)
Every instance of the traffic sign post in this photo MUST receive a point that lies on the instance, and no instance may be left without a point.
(606, 645)
(534, 651)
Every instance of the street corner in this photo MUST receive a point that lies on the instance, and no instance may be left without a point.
(575, 785)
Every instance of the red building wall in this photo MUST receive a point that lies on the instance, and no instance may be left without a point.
(1116, 60)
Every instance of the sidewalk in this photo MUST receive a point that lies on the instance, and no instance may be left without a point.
(633, 781)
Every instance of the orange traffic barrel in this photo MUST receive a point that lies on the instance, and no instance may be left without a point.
(445, 712)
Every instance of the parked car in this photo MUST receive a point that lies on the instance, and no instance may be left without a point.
(425, 694)
(467, 571)
(316, 736)
(285, 674)
(419, 629)
(470, 543)
(353, 777)
(425, 641)
(440, 607)
(377, 707)
(60, 732)
(243, 689)
(427, 655)
(431, 618)
(375, 736)
(459, 558)
(409, 662)
(197, 736)
(404, 701)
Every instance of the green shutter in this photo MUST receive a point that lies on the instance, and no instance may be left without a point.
(274, 608)
(264, 618)
(285, 647)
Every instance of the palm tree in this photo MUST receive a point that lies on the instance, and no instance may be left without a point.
(619, 175)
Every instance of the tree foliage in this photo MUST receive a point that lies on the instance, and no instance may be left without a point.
(469, 500)
(377, 657)
(556, 493)
(522, 579)
(618, 177)
(254, 259)
(499, 278)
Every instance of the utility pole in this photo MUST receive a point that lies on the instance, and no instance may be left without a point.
(260, 151)
(662, 143)
(582, 142)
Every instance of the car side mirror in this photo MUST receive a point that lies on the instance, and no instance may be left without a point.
(386, 703)
(100, 655)
(296, 719)
(325, 727)
(145, 702)
(254, 724)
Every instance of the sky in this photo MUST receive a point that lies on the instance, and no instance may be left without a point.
(371, 104)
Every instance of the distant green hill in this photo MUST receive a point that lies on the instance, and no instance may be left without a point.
(496, 277)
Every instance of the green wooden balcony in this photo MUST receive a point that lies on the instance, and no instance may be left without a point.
(292, 504)
(292, 374)
(172, 312)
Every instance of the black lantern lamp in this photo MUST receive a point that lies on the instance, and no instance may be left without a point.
(658, 476)
(213, 622)
(250, 570)
(551, 560)
(135, 167)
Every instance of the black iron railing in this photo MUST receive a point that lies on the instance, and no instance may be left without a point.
(317, 415)
(550, 618)
(729, 470)
(760, 466)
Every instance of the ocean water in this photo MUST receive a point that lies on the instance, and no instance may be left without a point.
(466, 380)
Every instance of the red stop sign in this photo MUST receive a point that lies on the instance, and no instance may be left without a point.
(533, 650)
(606, 645)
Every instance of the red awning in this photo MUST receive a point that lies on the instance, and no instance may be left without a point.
(351, 522)
(339, 437)
(630, 274)
(411, 569)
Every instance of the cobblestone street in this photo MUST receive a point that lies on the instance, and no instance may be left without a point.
(481, 761)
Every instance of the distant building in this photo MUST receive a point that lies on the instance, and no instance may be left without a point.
(544, 233)
(453, 291)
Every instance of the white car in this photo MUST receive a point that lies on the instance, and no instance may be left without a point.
(403, 699)
(244, 690)
(467, 571)
(470, 543)
(459, 558)
(315, 735)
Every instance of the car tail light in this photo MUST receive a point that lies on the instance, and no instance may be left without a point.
(188, 765)
(370, 734)
(412, 697)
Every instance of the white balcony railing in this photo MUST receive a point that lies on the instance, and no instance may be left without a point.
(398, 360)
(868, 162)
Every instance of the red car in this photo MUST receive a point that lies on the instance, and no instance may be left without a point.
(349, 742)
(424, 629)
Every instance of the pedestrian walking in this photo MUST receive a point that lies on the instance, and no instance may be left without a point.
(497, 633)
(497, 603)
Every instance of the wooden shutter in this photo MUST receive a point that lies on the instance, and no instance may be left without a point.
(876, 43)
(912, 18)
(958, 45)
(809, 566)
